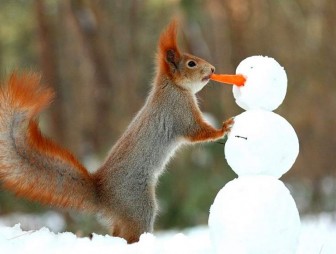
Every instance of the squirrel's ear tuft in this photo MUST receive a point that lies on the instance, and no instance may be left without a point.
(168, 53)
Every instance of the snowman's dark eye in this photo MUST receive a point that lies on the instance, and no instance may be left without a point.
(191, 64)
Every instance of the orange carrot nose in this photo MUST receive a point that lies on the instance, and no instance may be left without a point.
(238, 80)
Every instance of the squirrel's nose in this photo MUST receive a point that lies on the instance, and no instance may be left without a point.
(212, 69)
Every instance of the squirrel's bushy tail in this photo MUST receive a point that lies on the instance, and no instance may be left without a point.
(31, 165)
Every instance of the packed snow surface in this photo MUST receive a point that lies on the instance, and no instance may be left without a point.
(261, 142)
(265, 86)
(256, 215)
(318, 234)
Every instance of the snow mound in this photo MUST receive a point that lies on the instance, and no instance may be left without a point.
(15, 240)
(255, 215)
(318, 234)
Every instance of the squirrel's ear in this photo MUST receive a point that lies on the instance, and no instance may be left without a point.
(168, 52)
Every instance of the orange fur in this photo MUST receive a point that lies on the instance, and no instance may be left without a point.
(26, 93)
(34, 165)
(167, 41)
(208, 133)
(45, 145)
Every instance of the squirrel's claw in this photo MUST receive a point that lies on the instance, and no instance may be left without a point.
(227, 125)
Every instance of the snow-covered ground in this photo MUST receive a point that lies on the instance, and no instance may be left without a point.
(318, 236)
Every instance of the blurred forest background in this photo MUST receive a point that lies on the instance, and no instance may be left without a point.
(99, 57)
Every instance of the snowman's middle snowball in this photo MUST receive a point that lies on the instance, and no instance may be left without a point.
(261, 142)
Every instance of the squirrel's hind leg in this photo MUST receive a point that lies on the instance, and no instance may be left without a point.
(131, 229)
(130, 222)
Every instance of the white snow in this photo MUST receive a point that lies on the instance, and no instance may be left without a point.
(265, 86)
(50, 219)
(255, 215)
(261, 142)
(318, 234)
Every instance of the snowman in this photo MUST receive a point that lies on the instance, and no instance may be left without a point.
(255, 213)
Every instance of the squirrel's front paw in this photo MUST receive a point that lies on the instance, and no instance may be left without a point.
(227, 125)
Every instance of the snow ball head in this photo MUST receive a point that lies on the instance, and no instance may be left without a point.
(261, 143)
(255, 215)
(265, 86)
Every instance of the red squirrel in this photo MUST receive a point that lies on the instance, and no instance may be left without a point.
(122, 190)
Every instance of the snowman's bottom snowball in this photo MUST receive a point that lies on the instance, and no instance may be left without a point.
(254, 214)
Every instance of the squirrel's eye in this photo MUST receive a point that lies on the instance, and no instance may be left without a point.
(191, 64)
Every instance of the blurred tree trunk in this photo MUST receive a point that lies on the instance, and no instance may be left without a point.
(86, 20)
(49, 66)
